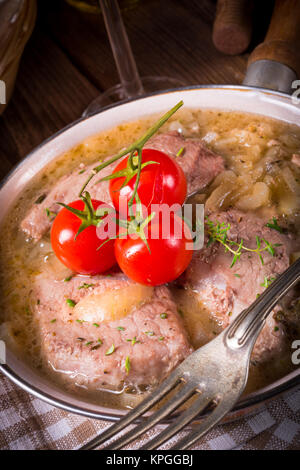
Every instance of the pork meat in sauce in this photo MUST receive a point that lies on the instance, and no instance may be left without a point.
(225, 291)
(199, 164)
(139, 349)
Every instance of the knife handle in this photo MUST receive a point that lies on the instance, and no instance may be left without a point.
(233, 26)
(282, 42)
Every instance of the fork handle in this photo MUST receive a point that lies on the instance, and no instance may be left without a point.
(247, 326)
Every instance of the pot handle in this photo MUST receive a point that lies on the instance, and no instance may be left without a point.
(275, 63)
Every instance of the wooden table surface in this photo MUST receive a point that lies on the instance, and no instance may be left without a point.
(68, 62)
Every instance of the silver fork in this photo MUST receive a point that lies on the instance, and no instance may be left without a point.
(215, 376)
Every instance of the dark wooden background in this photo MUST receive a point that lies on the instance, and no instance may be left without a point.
(68, 62)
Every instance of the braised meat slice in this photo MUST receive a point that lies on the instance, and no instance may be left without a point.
(109, 332)
(199, 164)
(225, 291)
(37, 222)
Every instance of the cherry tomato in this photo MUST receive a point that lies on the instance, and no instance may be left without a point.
(163, 182)
(81, 254)
(167, 259)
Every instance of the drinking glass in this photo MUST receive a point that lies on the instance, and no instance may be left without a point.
(131, 84)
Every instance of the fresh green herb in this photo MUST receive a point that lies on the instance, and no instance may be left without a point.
(218, 233)
(180, 151)
(110, 350)
(80, 321)
(67, 279)
(71, 303)
(269, 247)
(161, 338)
(96, 325)
(120, 328)
(99, 341)
(40, 199)
(276, 328)
(163, 315)
(50, 213)
(274, 225)
(149, 333)
(127, 364)
(38, 302)
(53, 321)
(133, 341)
(85, 286)
(81, 172)
(268, 281)
(237, 275)
(89, 343)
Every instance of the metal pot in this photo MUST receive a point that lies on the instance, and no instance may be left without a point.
(248, 99)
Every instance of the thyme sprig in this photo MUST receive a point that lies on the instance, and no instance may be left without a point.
(274, 225)
(218, 233)
(50, 214)
(134, 149)
(267, 281)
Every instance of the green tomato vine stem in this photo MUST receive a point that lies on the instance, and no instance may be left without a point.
(137, 146)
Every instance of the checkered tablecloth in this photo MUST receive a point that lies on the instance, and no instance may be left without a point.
(29, 423)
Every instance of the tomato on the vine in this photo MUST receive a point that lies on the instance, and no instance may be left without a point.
(79, 250)
(162, 181)
(163, 260)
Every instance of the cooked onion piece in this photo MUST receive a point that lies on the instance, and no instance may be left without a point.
(290, 180)
(113, 304)
(259, 197)
(224, 186)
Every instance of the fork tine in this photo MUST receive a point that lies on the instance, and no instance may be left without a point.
(219, 412)
(182, 395)
(185, 418)
(132, 415)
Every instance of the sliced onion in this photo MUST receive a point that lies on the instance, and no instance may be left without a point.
(260, 197)
(113, 304)
(290, 181)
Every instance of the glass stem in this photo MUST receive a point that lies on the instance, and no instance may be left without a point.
(127, 69)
